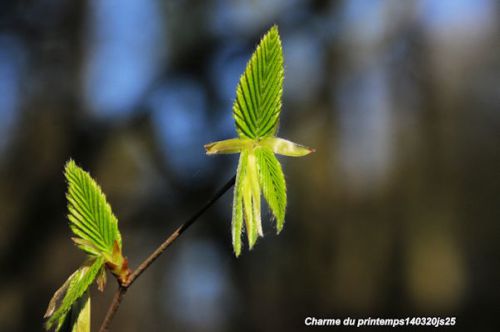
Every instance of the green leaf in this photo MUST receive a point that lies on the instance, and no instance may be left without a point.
(90, 215)
(286, 148)
(272, 182)
(233, 145)
(78, 317)
(253, 179)
(237, 221)
(248, 211)
(257, 106)
(246, 202)
(251, 200)
(71, 291)
(256, 111)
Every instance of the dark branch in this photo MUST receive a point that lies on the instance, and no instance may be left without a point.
(122, 289)
(113, 307)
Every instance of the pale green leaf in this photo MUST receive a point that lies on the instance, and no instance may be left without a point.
(233, 145)
(248, 212)
(246, 202)
(272, 182)
(256, 111)
(78, 317)
(257, 106)
(253, 179)
(237, 221)
(286, 148)
(90, 215)
(72, 290)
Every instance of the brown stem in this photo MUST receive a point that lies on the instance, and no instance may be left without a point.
(122, 288)
(113, 307)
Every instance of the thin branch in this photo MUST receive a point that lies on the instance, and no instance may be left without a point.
(122, 289)
(113, 307)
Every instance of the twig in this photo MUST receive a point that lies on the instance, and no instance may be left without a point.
(122, 289)
(113, 307)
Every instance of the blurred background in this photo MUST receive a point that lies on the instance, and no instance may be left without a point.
(395, 215)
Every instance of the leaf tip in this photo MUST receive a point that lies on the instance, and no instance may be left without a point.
(252, 240)
(209, 148)
(69, 165)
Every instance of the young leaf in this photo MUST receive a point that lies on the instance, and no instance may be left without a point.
(78, 317)
(76, 285)
(237, 222)
(233, 145)
(90, 215)
(248, 210)
(258, 97)
(256, 113)
(272, 182)
(285, 148)
(96, 230)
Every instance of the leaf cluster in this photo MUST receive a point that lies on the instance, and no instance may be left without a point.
(96, 232)
(256, 112)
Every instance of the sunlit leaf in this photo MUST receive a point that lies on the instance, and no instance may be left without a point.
(286, 148)
(66, 296)
(96, 230)
(90, 215)
(233, 145)
(237, 222)
(78, 317)
(257, 106)
(256, 111)
(272, 182)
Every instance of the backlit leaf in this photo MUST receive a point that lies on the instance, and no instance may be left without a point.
(272, 182)
(257, 106)
(78, 317)
(65, 297)
(256, 112)
(90, 215)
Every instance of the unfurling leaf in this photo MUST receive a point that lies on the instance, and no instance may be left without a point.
(256, 112)
(272, 182)
(66, 296)
(237, 222)
(286, 148)
(78, 317)
(96, 229)
(234, 145)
